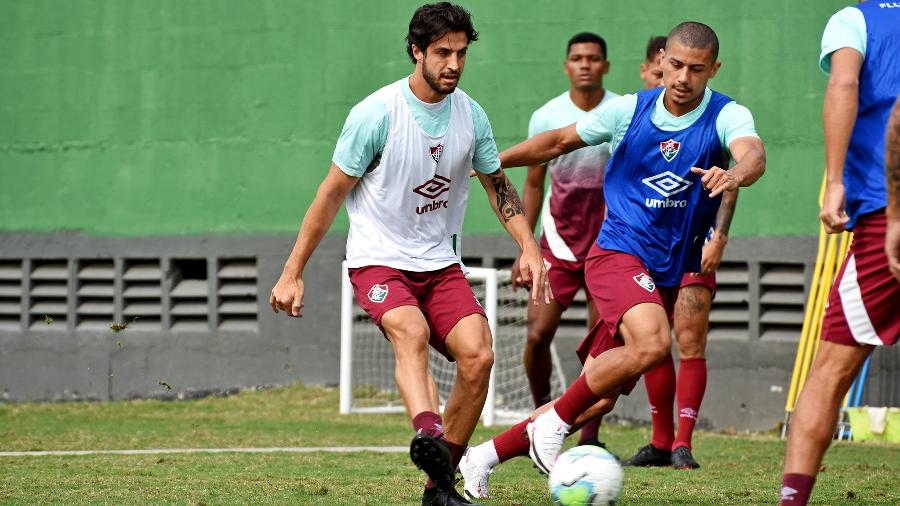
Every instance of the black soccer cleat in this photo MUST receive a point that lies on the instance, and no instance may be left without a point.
(432, 455)
(600, 444)
(649, 456)
(683, 459)
(443, 497)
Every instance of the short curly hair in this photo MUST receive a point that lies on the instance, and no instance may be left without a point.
(430, 22)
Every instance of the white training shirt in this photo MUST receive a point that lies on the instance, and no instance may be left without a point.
(408, 206)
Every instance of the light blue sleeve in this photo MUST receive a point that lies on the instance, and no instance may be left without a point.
(734, 121)
(536, 124)
(486, 159)
(847, 28)
(362, 138)
(606, 122)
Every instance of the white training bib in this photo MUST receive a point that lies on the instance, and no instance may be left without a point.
(405, 212)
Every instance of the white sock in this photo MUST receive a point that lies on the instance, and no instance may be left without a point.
(552, 417)
(485, 454)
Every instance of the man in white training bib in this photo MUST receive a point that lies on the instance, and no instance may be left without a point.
(402, 163)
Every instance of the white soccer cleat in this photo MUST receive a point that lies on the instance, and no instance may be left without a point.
(475, 476)
(546, 439)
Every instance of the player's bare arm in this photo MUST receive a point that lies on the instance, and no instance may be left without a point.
(750, 155)
(542, 147)
(287, 294)
(892, 169)
(509, 209)
(838, 118)
(533, 199)
(713, 250)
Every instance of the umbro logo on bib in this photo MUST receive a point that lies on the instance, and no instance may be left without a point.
(669, 149)
(436, 152)
(378, 293)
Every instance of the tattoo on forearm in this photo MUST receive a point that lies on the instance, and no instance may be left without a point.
(725, 214)
(508, 203)
(892, 157)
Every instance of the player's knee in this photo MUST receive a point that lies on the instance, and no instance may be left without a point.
(475, 364)
(538, 339)
(653, 349)
(409, 337)
(691, 344)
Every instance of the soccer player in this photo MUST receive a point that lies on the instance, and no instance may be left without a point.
(402, 164)
(860, 51)
(568, 217)
(691, 325)
(667, 142)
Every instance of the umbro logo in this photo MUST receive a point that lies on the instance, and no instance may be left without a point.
(787, 493)
(687, 413)
(434, 187)
(436, 152)
(667, 183)
(669, 149)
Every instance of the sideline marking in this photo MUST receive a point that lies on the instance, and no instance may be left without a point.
(155, 451)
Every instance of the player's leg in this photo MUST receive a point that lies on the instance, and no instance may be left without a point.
(633, 310)
(589, 434)
(815, 416)
(646, 334)
(479, 461)
(407, 330)
(691, 328)
(543, 320)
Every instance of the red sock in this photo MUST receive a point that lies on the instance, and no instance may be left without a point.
(513, 442)
(575, 400)
(589, 431)
(456, 453)
(796, 489)
(660, 382)
(428, 422)
(689, 390)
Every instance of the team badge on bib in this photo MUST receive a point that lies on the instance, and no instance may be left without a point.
(644, 281)
(436, 152)
(669, 149)
(378, 293)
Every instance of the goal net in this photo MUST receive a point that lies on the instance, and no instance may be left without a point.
(367, 359)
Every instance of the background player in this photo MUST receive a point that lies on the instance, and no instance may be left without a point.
(402, 163)
(569, 218)
(691, 326)
(860, 50)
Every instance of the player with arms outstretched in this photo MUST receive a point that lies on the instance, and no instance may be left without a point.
(860, 51)
(663, 189)
(402, 164)
(569, 218)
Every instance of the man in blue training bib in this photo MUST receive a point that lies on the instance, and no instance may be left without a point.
(663, 187)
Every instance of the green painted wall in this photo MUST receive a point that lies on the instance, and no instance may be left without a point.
(142, 117)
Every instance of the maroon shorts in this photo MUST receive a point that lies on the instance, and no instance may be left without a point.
(697, 279)
(617, 282)
(444, 297)
(565, 278)
(864, 303)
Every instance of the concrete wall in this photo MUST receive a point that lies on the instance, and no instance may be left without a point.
(749, 373)
(134, 118)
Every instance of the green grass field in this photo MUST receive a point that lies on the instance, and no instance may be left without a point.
(736, 469)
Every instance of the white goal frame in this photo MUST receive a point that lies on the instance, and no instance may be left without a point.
(492, 413)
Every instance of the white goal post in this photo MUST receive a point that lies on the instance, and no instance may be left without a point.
(367, 359)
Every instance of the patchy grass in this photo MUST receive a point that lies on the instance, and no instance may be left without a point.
(736, 469)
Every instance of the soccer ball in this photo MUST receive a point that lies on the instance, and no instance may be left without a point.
(586, 475)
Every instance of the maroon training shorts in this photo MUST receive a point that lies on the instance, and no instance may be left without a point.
(444, 297)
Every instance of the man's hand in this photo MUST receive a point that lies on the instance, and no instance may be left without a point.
(712, 253)
(533, 272)
(287, 296)
(892, 246)
(515, 276)
(833, 215)
(717, 180)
